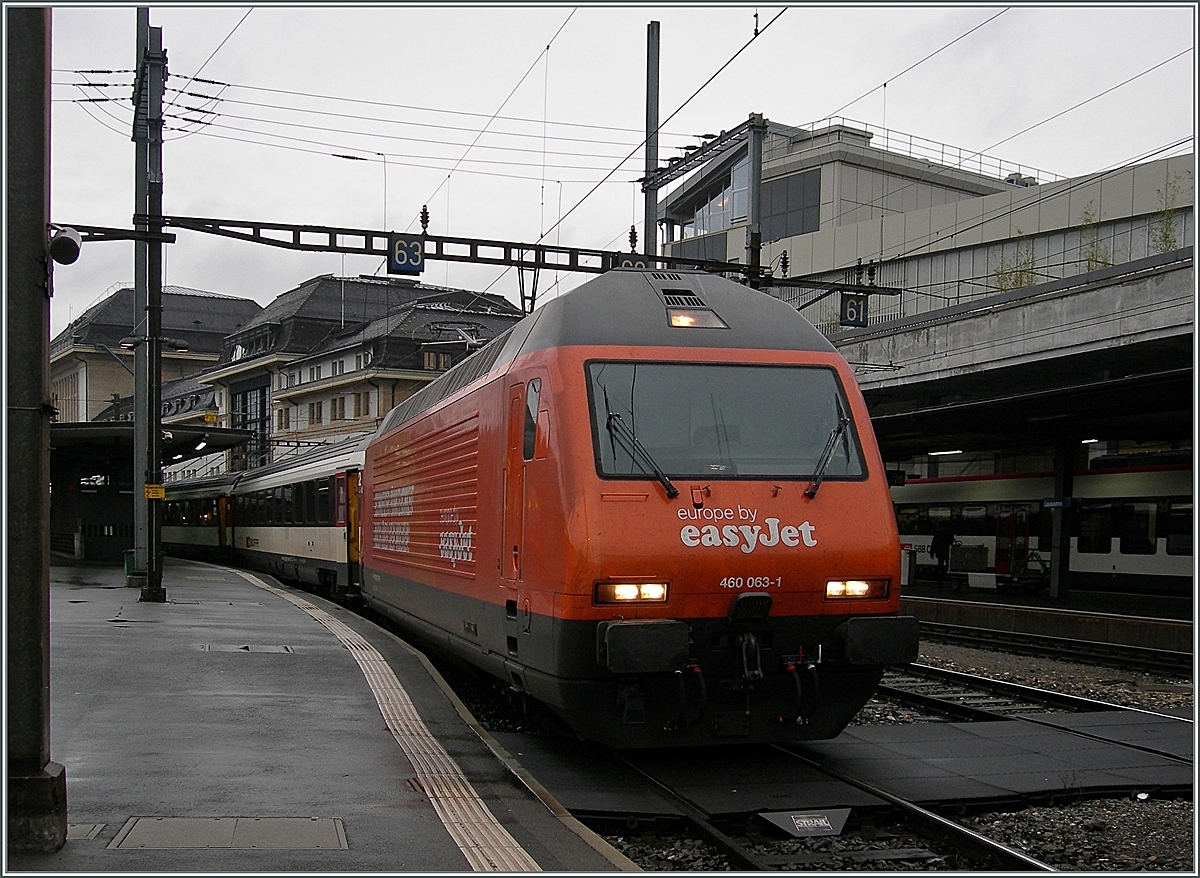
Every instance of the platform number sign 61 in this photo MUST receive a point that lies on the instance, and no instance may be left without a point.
(854, 309)
(405, 255)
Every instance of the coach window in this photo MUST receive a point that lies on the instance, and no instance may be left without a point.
(324, 504)
(975, 521)
(300, 504)
(1139, 534)
(310, 502)
(1179, 527)
(908, 519)
(1095, 529)
(532, 393)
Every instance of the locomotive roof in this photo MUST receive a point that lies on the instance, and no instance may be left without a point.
(629, 307)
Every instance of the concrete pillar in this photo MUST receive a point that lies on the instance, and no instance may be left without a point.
(1061, 517)
(37, 787)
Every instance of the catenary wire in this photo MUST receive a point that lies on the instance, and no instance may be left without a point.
(316, 142)
(393, 159)
(358, 132)
(492, 118)
(734, 57)
(936, 171)
(918, 63)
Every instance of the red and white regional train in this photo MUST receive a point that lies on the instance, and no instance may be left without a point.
(1132, 525)
(655, 505)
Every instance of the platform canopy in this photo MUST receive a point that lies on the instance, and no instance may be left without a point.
(106, 438)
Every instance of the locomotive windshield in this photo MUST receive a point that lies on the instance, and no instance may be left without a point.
(712, 420)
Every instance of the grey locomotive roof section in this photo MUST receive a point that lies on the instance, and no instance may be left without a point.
(627, 307)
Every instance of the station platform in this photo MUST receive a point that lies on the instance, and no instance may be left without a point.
(1149, 606)
(1148, 621)
(244, 726)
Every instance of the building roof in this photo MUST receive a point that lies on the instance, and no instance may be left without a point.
(201, 318)
(348, 300)
(439, 319)
(308, 317)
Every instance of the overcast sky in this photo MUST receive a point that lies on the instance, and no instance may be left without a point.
(410, 89)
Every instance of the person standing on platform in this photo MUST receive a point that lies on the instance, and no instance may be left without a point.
(940, 549)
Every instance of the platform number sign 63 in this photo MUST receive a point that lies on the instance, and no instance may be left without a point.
(405, 255)
(854, 309)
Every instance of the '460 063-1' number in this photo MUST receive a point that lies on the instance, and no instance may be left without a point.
(751, 581)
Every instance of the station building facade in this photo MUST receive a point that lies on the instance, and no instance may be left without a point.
(328, 359)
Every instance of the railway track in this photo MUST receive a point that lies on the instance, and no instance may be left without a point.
(972, 698)
(901, 831)
(1136, 658)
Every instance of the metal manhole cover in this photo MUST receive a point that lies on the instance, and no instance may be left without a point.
(83, 831)
(232, 833)
(245, 647)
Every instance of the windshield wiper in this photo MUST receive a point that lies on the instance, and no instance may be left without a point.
(620, 430)
(827, 455)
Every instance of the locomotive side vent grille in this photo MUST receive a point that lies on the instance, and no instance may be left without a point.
(682, 299)
(665, 275)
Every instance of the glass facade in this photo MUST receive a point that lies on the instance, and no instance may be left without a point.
(251, 412)
(725, 204)
(791, 205)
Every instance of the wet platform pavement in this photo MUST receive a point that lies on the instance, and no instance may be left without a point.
(254, 728)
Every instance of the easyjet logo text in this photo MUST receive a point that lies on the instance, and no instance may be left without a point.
(749, 536)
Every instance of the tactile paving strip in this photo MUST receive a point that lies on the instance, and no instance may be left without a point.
(485, 843)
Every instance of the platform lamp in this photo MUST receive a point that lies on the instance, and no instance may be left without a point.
(152, 591)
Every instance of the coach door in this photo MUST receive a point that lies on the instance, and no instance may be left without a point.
(1012, 539)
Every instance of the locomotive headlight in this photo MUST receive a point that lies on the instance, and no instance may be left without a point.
(857, 588)
(630, 592)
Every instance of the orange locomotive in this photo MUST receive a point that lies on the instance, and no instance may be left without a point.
(656, 506)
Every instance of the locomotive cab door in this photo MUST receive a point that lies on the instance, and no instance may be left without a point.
(514, 489)
(525, 427)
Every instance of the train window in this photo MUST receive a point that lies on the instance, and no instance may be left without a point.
(324, 504)
(340, 500)
(532, 393)
(939, 513)
(1096, 526)
(908, 519)
(974, 520)
(721, 421)
(300, 504)
(1138, 528)
(288, 507)
(310, 502)
(1179, 528)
